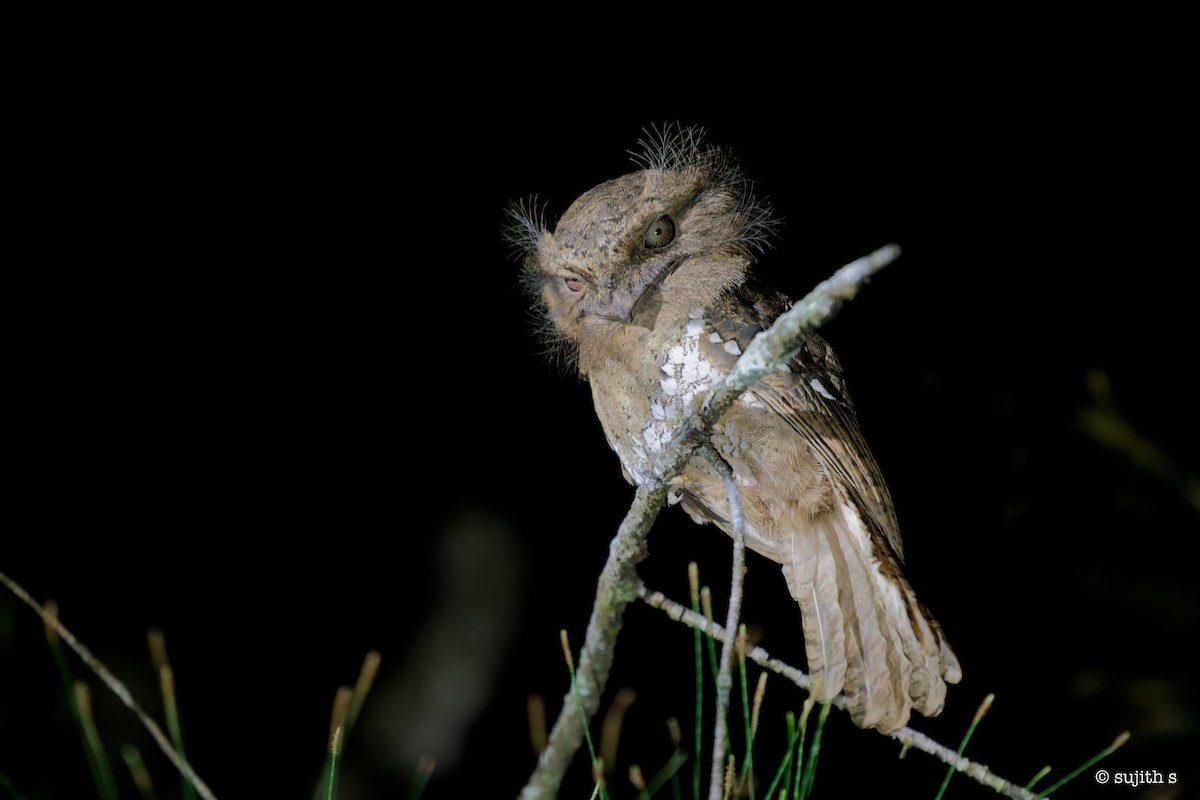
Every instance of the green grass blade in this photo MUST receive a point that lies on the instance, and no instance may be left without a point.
(639, 782)
(138, 772)
(676, 739)
(326, 787)
(8, 786)
(166, 679)
(1043, 772)
(77, 694)
(347, 702)
(784, 773)
(748, 761)
(706, 605)
(814, 751)
(335, 747)
(166, 683)
(1116, 745)
(804, 712)
(667, 773)
(983, 709)
(421, 776)
(106, 783)
(362, 687)
(597, 767)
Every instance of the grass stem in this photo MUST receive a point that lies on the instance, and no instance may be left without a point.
(1112, 748)
(138, 772)
(600, 789)
(962, 746)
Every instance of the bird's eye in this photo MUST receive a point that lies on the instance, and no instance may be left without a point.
(573, 283)
(661, 233)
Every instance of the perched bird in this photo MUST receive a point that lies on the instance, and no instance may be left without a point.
(645, 285)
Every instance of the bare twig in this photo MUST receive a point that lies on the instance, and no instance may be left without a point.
(906, 736)
(724, 678)
(117, 688)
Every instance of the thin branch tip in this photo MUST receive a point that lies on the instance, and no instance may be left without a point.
(114, 685)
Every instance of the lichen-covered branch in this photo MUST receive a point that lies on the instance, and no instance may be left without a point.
(615, 590)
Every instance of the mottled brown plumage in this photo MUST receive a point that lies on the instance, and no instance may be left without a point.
(645, 283)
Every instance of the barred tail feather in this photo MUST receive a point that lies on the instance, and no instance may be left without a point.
(815, 589)
(876, 691)
(865, 632)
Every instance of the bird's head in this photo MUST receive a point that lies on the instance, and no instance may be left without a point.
(679, 231)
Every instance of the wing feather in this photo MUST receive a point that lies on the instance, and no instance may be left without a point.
(866, 633)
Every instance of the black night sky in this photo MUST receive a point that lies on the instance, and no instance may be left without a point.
(273, 388)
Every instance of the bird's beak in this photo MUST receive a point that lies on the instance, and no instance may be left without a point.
(622, 302)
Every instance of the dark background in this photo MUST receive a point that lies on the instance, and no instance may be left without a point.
(273, 388)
